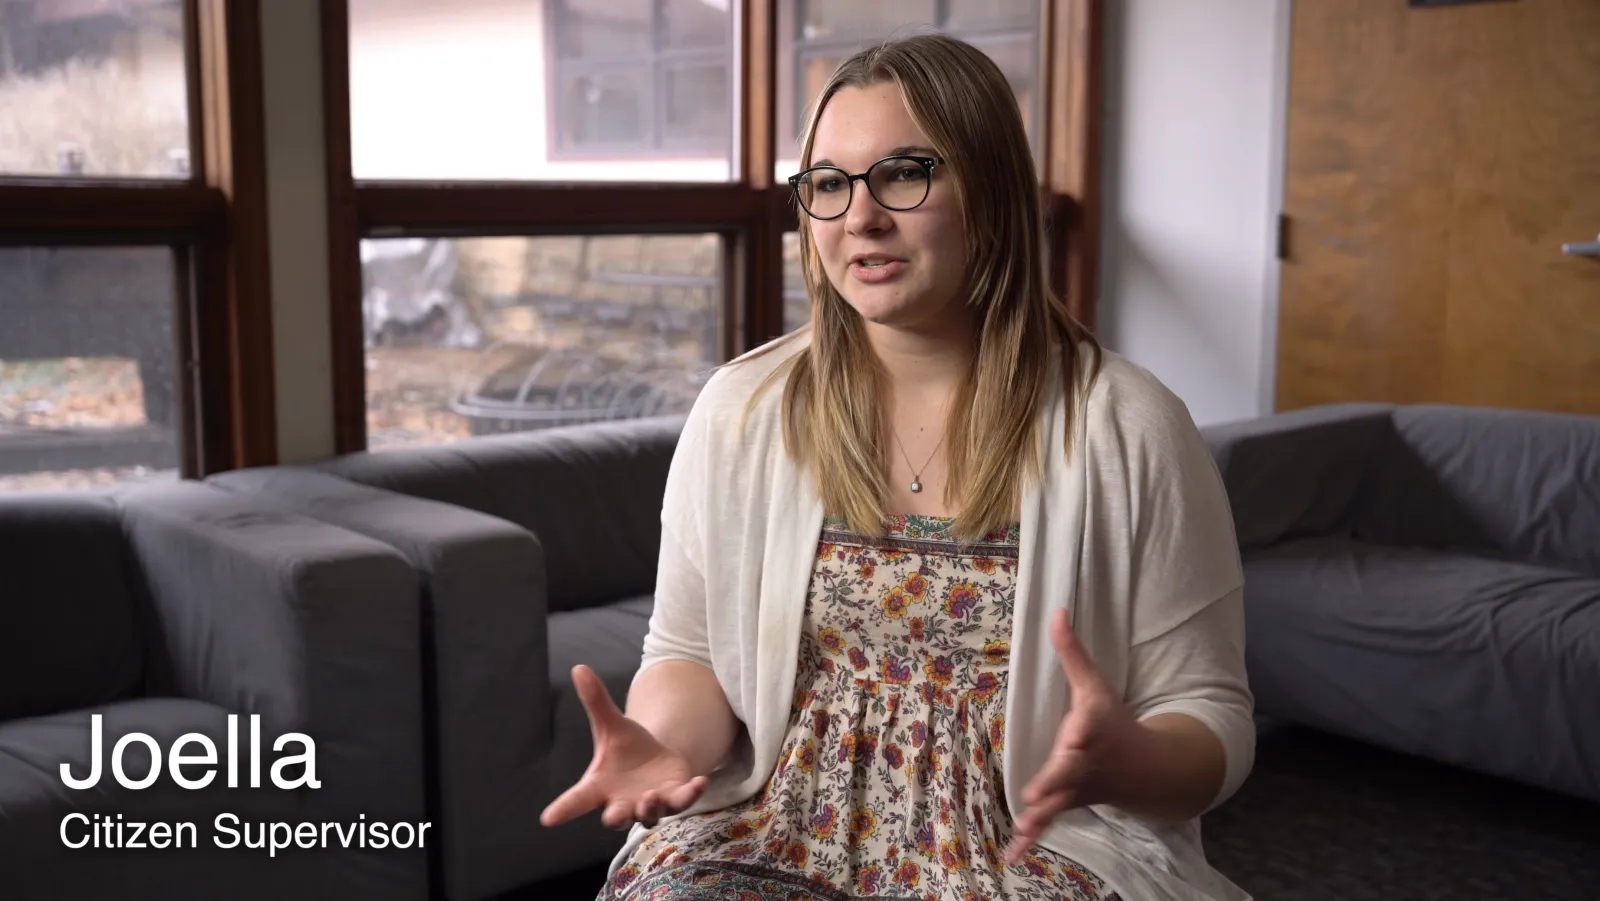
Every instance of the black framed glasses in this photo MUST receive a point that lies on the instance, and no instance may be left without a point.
(898, 183)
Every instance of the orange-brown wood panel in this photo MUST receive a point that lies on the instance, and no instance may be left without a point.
(1437, 161)
(1073, 30)
(234, 290)
(344, 236)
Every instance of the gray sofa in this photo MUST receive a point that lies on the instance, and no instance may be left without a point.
(537, 551)
(164, 609)
(1426, 579)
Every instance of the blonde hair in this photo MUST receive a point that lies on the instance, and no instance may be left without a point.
(834, 420)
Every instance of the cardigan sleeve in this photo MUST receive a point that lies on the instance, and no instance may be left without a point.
(678, 628)
(679, 620)
(1184, 578)
(1197, 668)
(1179, 526)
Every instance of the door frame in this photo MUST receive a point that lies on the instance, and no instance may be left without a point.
(1278, 175)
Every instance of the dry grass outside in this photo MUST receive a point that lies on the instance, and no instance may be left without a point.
(101, 109)
(409, 390)
(82, 479)
(70, 393)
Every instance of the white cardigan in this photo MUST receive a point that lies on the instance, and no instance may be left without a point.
(1134, 536)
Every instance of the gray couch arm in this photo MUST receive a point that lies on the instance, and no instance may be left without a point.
(591, 494)
(310, 626)
(485, 608)
(1297, 473)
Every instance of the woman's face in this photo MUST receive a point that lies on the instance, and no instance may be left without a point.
(902, 269)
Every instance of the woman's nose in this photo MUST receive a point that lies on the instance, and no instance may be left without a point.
(866, 215)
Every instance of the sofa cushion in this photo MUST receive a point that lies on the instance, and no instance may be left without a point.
(1513, 483)
(1475, 661)
(70, 599)
(1297, 474)
(591, 494)
(610, 640)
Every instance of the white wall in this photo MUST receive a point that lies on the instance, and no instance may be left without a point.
(297, 224)
(1192, 168)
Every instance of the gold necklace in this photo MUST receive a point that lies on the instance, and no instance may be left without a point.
(916, 474)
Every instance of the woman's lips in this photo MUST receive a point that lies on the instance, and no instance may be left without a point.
(873, 275)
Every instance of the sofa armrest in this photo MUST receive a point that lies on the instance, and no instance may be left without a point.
(313, 627)
(486, 646)
(1296, 474)
(591, 493)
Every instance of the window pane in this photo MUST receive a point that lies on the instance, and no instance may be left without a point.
(607, 90)
(796, 303)
(831, 30)
(696, 23)
(696, 102)
(605, 109)
(94, 89)
(858, 21)
(604, 29)
(477, 336)
(88, 367)
(981, 14)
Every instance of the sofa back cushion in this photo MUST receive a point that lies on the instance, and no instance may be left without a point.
(1514, 483)
(70, 622)
(591, 494)
(1296, 474)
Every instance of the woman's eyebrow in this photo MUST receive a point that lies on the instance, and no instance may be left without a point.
(906, 150)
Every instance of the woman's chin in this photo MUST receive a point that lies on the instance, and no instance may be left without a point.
(881, 307)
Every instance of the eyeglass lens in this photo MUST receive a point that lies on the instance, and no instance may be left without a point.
(898, 183)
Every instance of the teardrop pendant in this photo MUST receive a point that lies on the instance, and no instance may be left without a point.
(916, 486)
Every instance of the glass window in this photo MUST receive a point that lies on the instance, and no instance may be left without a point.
(94, 90)
(695, 24)
(677, 54)
(605, 108)
(608, 90)
(88, 367)
(694, 103)
(990, 14)
(603, 29)
(826, 32)
(476, 336)
(856, 21)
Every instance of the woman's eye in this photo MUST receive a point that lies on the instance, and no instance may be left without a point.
(828, 184)
(908, 173)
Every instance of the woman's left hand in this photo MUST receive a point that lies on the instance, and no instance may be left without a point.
(1097, 752)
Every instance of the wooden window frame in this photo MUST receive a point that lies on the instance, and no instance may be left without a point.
(215, 222)
(750, 213)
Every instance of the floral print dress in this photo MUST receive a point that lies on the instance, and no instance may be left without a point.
(889, 784)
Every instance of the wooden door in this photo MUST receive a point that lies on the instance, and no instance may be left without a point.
(1438, 159)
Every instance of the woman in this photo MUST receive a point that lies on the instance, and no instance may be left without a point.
(949, 600)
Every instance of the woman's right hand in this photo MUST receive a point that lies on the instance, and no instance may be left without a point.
(633, 778)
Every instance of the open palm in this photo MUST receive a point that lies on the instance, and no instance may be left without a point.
(1093, 749)
(633, 777)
